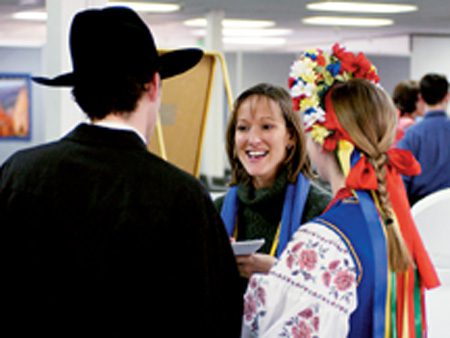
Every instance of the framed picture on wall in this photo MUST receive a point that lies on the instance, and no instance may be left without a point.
(15, 106)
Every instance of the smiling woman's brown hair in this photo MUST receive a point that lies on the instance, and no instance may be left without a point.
(296, 160)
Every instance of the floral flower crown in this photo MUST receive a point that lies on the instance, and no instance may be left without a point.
(315, 72)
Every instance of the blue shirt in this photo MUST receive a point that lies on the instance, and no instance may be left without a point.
(429, 141)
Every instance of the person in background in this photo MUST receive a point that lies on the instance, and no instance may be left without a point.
(100, 236)
(429, 140)
(349, 272)
(409, 104)
(271, 191)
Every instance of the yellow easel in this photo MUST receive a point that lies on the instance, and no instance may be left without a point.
(180, 126)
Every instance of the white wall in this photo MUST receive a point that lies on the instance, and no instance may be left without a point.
(430, 54)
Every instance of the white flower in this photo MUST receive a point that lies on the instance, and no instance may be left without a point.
(303, 68)
(301, 88)
(315, 115)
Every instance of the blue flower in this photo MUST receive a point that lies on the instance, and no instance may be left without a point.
(311, 56)
(334, 68)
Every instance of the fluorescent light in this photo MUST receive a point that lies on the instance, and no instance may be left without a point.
(232, 23)
(248, 32)
(346, 21)
(35, 16)
(360, 7)
(254, 41)
(153, 7)
(256, 32)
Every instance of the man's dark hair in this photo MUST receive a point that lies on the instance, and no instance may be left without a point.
(99, 98)
(433, 88)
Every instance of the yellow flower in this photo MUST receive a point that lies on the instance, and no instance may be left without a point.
(319, 133)
(309, 102)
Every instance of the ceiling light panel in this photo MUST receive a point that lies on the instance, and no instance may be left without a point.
(232, 23)
(150, 7)
(346, 21)
(33, 16)
(360, 7)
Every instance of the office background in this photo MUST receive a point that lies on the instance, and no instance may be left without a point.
(401, 51)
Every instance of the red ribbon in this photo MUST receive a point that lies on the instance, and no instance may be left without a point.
(363, 177)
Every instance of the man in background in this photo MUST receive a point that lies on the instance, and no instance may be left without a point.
(102, 237)
(429, 140)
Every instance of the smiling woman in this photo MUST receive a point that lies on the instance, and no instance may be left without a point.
(271, 191)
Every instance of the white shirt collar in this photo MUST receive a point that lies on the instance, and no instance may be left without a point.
(119, 126)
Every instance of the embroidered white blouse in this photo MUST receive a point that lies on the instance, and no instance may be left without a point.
(309, 293)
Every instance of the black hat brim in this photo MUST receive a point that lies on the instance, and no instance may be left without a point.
(170, 64)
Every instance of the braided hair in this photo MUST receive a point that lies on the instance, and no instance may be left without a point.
(369, 116)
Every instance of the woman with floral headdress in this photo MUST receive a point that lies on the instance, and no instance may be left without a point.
(359, 269)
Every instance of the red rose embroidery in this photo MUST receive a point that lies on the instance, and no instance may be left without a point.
(290, 261)
(344, 280)
(302, 330)
(308, 259)
(333, 265)
(326, 278)
(249, 307)
(253, 283)
(297, 246)
(315, 322)
(261, 295)
(306, 313)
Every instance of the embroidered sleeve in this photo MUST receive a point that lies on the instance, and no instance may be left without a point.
(310, 291)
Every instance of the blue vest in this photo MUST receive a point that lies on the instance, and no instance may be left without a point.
(347, 220)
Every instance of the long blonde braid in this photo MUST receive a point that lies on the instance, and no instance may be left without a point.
(367, 113)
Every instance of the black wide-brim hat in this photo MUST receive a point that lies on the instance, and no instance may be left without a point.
(114, 42)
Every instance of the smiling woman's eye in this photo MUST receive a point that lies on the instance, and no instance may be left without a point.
(241, 127)
(267, 126)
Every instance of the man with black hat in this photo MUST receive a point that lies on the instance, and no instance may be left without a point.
(102, 236)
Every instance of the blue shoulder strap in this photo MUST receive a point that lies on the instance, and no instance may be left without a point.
(229, 210)
(378, 242)
(294, 205)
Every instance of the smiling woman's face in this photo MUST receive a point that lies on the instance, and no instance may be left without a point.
(261, 139)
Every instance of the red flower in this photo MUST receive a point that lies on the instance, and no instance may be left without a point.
(308, 259)
(301, 331)
(321, 60)
(291, 82)
(344, 280)
(296, 103)
(348, 60)
(359, 66)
